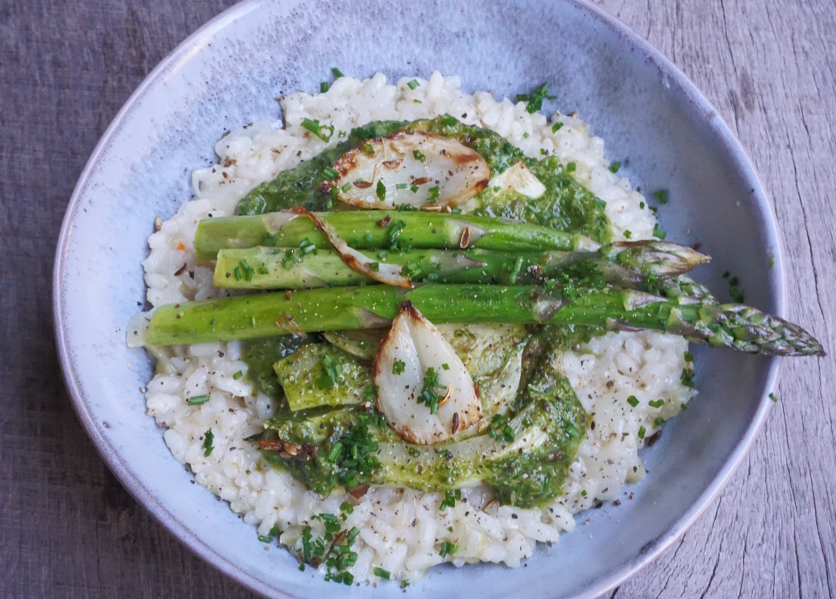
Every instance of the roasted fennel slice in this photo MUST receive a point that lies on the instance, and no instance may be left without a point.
(362, 343)
(523, 458)
(320, 374)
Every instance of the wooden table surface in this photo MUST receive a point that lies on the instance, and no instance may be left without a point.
(69, 529)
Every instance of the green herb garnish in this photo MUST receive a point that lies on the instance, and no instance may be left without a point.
(535, 99)
(657, 232)
(323, 132)
(662, 196)
(208, 438)
(429, 396)
(450, 498)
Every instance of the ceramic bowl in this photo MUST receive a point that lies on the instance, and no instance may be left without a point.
(228, 73)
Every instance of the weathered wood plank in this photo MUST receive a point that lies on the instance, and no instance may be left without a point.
(770, 72)
(69, 529)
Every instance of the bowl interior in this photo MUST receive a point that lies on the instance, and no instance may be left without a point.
(653, 121)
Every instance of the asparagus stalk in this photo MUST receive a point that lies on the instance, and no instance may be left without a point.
(370, 229)
(267, 315)
(625, 264)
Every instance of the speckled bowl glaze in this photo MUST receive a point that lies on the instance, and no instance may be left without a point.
(228, 73)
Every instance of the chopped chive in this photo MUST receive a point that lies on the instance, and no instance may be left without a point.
(687, 377)
(368, 149)
(380, 191)
(641, 205)
(418, 155)
(319, 130)
(534, 100)
(641, 432)
(208, 438)
(614, 167)
(247, 269)
(329, 173)
(583, 493)
(265, 539)
(237, 272)
(662, 196)
(571, 167)
(628, 234)
(263, 270)
(413, 84)
(401, 185)
(633, 401)
(346, 507)
(689, 357)
(447, 548)
(198, 399)
(657, 232)
(382, 573)
(656, 404)
(773, 397)
(601, 203)
(450, 498)
(346, 187)
(683, 406)
(335, 452)
(557, 127)
(572, 430)
(237, 375)
(445, 367)
(414, 188)
(658, 422)
(323, 87)
(337, 73)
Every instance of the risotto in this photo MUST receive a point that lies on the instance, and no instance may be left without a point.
(628, 382)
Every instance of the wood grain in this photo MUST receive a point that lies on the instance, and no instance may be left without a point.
(69, 529)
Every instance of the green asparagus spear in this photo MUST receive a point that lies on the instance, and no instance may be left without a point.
(625, 264)
(378, 229)
(267, 315)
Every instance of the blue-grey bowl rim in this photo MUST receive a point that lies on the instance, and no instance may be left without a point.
(158, 511)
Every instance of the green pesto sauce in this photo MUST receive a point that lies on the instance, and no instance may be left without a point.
(566, 205)
(523, 476)
(261, 354)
